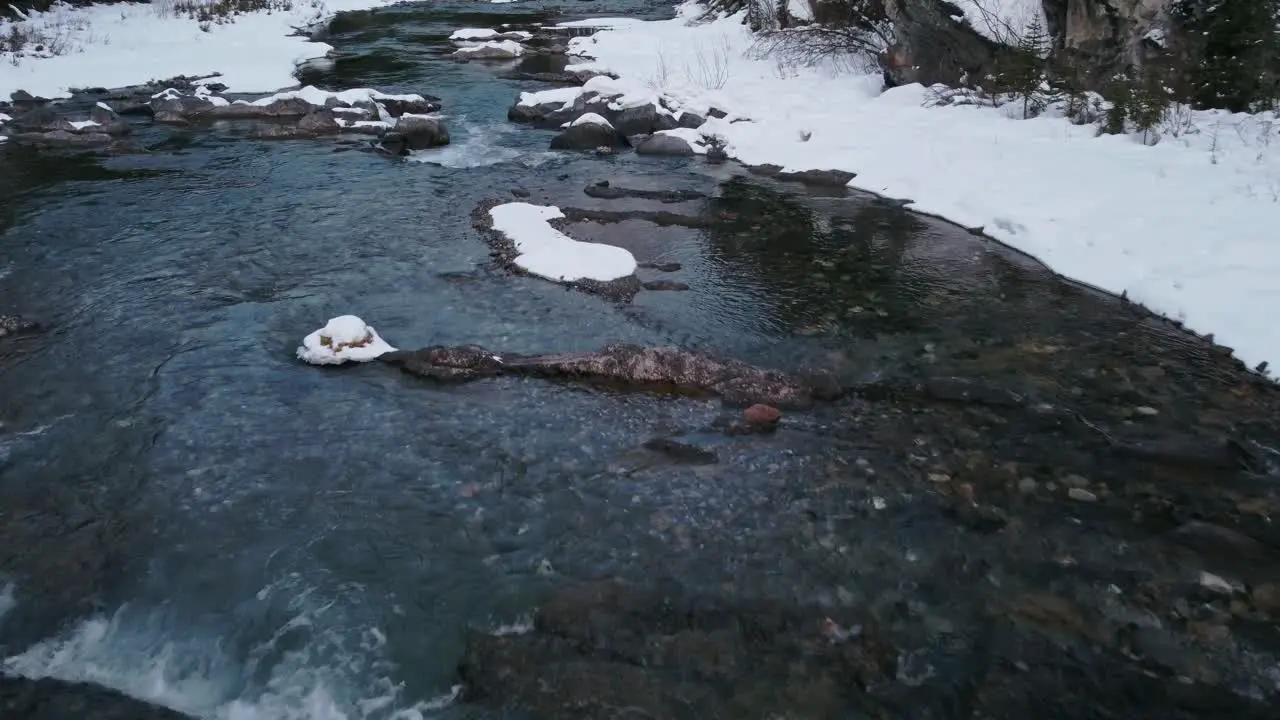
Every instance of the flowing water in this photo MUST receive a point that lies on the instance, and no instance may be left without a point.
(194, 517)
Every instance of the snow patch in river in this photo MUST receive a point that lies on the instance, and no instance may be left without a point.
(318, 664)
(345, 338)
(549, 253)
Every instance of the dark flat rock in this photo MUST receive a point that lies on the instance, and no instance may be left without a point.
(49, 699)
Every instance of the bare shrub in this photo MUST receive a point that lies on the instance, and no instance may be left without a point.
(208, 12)
(711, 69)
(844, 28)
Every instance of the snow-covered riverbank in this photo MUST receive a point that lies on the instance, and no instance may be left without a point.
(1186, 227)
(119, 45)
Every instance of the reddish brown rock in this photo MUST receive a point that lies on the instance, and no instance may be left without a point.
(762, 415)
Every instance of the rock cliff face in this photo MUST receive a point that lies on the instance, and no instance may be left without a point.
(933, 44)
(1109, 35)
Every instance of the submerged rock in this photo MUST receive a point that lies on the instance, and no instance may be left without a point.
(605, 190)
(15, 324)
(63, 139)
(644, 368)
(762, 415)
(608, 650)
(49, 699)
(819, 178)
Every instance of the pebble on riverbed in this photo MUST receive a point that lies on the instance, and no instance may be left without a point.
(762, 415)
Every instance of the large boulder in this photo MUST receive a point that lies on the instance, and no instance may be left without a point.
(415, 132)
(589, 132)
(636, 120)
(102, 114)
(319, 122)
(932, 44)
(179, 109)
(41, 117)
(660, 144)
(409, 104)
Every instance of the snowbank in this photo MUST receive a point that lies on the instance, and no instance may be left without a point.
(1185, 227)
(549, 253)
(130, 44)
(343, 339)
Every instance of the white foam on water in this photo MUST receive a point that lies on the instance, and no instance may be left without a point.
(6, 600)
(315, 666)
(481, 147)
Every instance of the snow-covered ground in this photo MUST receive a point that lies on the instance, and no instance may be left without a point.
(129, 44)
(549, 253)
(1186, 227)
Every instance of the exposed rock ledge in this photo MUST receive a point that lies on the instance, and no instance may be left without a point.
(49, 699)
(401, 122)
(670, 370)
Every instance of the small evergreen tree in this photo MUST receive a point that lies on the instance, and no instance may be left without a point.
(1148, 101)
(1120, 93)
(1020, 70)
(1233, 52)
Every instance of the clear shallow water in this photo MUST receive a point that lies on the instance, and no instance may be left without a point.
(196, 518)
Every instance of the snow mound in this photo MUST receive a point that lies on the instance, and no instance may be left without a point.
(315, 96)
(589, 119)
(621, 94)
(345, 338)
(468, 34)
(563, 96)
(549, 253)
(492, 49)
